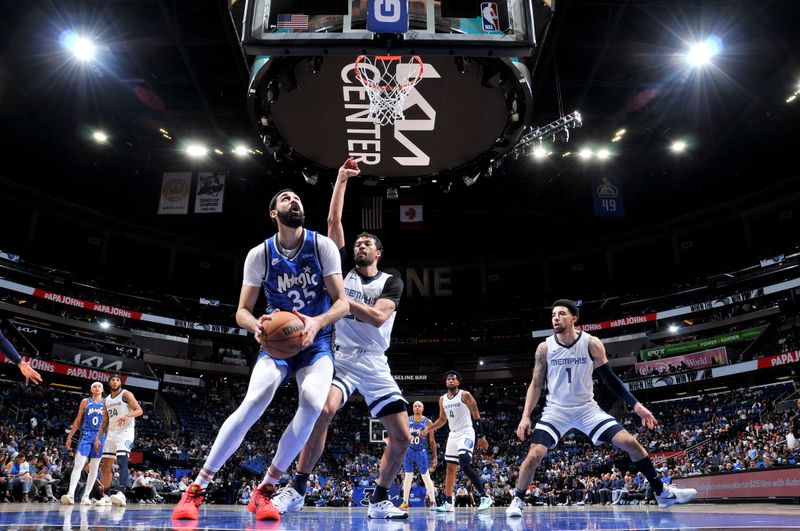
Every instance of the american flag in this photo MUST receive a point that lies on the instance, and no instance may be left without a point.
(372, 213)
(293, 21)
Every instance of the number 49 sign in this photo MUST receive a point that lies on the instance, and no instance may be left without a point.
(607, 197)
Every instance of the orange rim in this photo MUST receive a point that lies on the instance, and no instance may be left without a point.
(372, 85)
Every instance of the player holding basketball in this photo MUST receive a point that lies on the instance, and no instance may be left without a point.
(299, 270)
(567, 360)
(417, 455)
(11, 353)
(120, 408)
(90, 416)
(362, 337)
(458, 409)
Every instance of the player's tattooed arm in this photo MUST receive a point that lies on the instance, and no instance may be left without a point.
(534, 391)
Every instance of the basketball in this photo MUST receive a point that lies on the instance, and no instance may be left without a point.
(283, 334)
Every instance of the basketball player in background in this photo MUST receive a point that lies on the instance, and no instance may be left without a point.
(458, 409)
(362, 337)
(300, 271)
(89, 418)
(417, 455)
(567, 360)
(11, 353)
(120, 410)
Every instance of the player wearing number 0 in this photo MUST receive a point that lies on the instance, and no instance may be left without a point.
(417, 455)
(300, 271)
(89, 418)
(362, 337)
(458, 409)
(567, 360)
(120, 410)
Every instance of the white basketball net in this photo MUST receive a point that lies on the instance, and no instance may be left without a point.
(388, 80)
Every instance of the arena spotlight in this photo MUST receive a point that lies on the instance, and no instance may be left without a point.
(673, 328)
(100, 137)
(240, 151)
(585, 153)
(700, 53)
(678, 146)
(81, 47)
(480, 363)
(603, 154)
(105, 325)
(540, 152)
(196, 150)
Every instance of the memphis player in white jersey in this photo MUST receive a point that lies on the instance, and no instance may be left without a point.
(120, 410)
(417, 455)
(458, 409)
(89, 419)
(362, 338)
(567, 360)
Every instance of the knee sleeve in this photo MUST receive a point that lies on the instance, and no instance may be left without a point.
(465, 461)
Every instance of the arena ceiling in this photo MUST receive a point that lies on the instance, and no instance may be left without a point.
(176, 66)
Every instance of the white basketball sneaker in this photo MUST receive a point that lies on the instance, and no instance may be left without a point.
(118, 499)
(516, 507)
(486, 502)
(86, 501)
(66, 499)
(288, 500)
(105, 500)
(446, 507)
(385, 510)
(672, 495)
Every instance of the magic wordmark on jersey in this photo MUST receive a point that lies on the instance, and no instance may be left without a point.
(287, 281)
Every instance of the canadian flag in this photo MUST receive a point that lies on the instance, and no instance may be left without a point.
(411, 214)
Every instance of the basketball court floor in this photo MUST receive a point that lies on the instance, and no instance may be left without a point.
(147, 517)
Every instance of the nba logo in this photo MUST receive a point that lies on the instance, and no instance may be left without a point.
(491, 22)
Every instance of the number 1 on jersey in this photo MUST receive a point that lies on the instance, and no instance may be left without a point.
(569, 374)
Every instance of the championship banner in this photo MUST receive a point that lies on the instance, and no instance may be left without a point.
(175, 188)
(701, 344)
(771, 483)
(210, 193)
(698, 360)
(84, 373)
(779, 359)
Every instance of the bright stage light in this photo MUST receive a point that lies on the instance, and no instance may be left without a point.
(196, 150)
(603, 154)
(540, 152)
(585, 153)
(679, 146)
(700, 53)
(82, 47)
(240, 151)
(100, 137)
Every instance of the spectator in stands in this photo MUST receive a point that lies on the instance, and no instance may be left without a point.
(19, 470)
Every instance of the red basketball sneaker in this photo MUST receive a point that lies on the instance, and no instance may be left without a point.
(188, 507)
(261, 503)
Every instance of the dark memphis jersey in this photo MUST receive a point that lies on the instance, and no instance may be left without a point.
(569, 372)
(296, 283)
(418, 443)
(92, 415)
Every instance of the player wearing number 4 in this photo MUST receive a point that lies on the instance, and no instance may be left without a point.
(300, 271)
(90, 415)
(458, 409)
(567, 359)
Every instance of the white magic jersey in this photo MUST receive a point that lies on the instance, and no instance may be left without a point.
(118, 411)
(459, 419)
(357, 337)
(569, 372)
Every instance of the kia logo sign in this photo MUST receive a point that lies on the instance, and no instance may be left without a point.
(454, 116)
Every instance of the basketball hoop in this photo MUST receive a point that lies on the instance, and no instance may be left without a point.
(388, 80)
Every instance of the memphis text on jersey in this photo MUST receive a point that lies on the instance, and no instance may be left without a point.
(568, 361)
